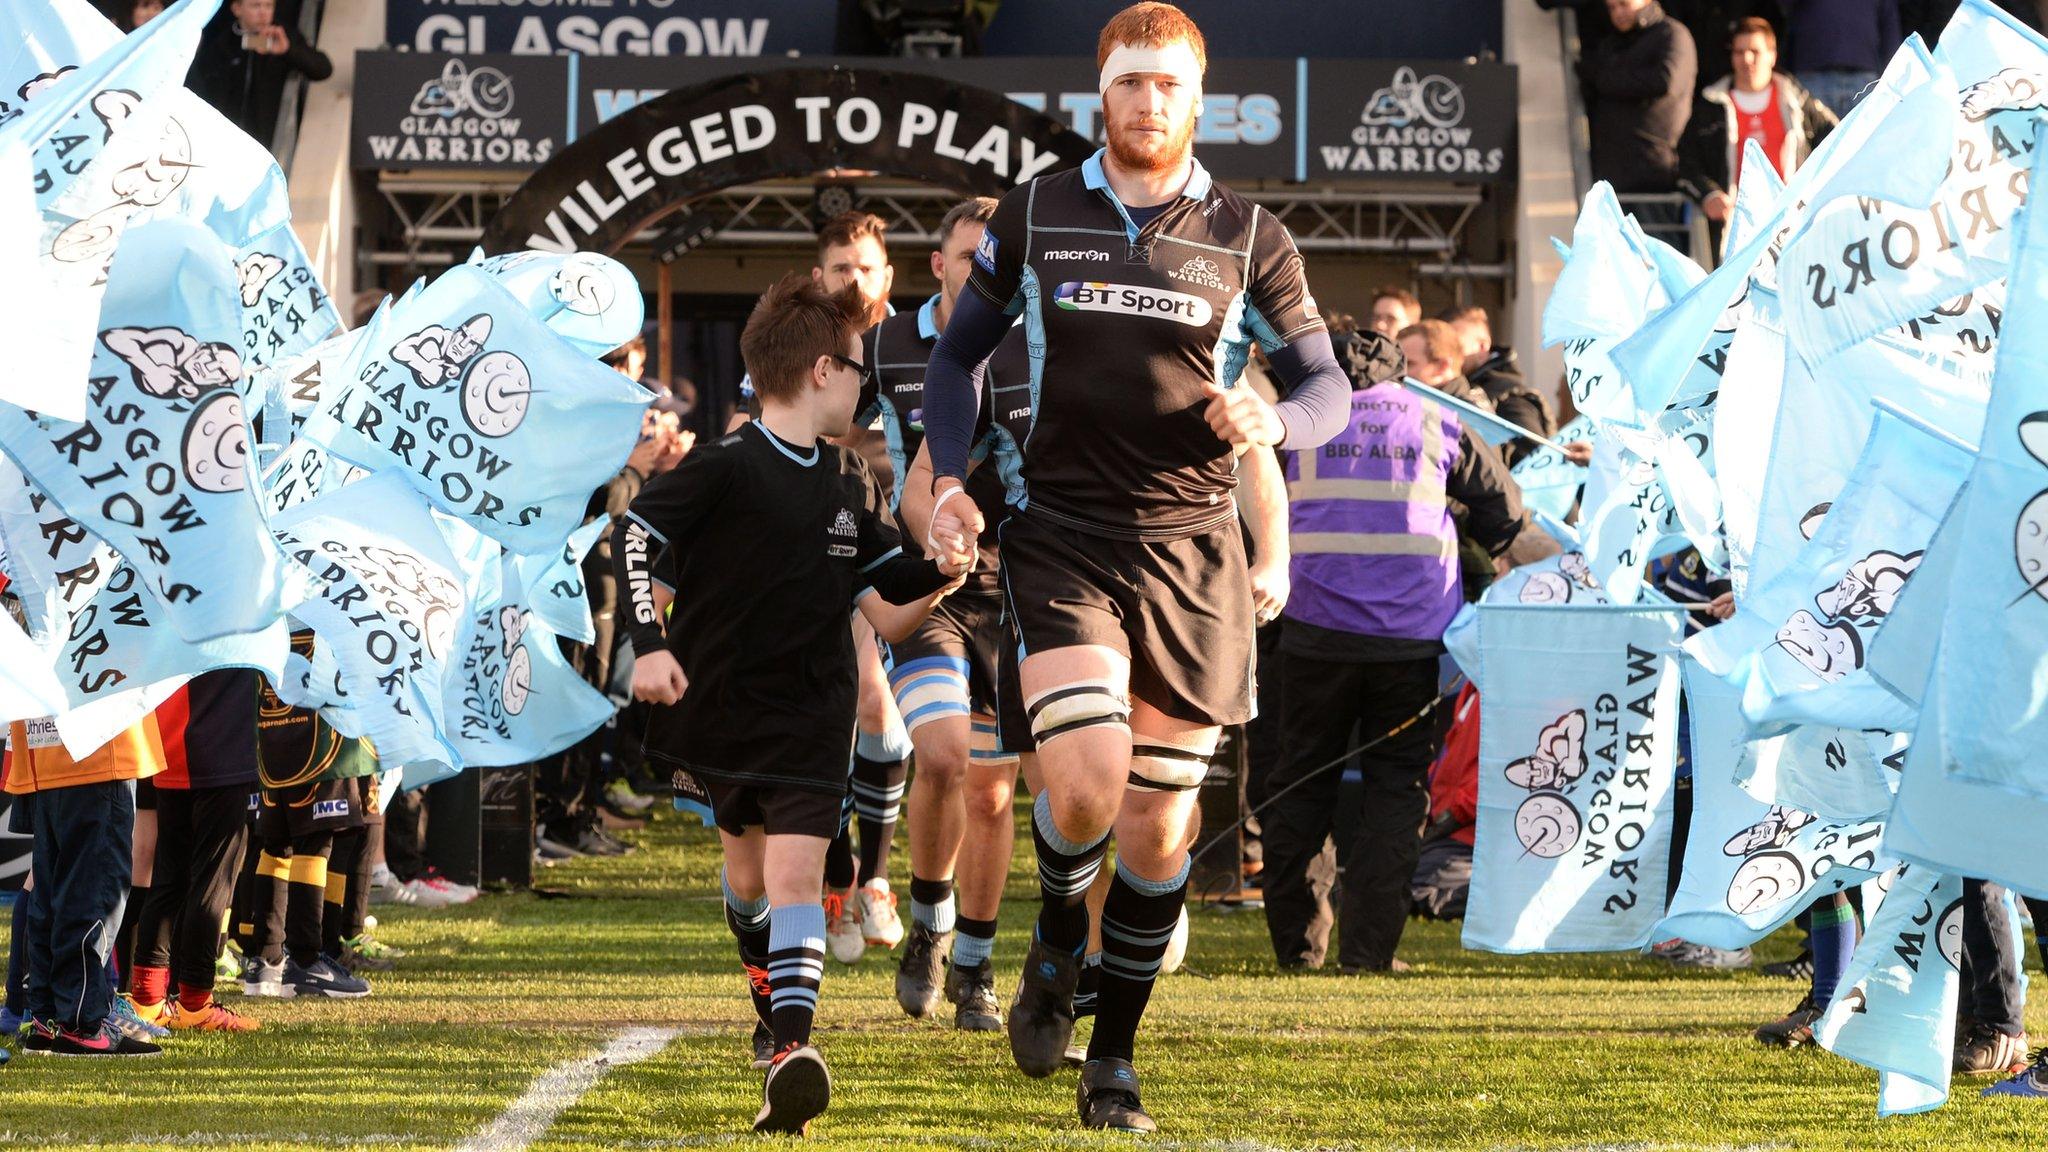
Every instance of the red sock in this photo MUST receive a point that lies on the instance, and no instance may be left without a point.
(194, 999)
(150, 985)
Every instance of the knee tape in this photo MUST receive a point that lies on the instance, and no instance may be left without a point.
(985, 747)
(928, 690)
(1089, 704)
(1159, 766)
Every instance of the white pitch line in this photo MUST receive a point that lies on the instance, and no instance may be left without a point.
(555, 1092)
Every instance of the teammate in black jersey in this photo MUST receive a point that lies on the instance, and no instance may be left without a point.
(775, 535)
(1143, 285)
(944, 674)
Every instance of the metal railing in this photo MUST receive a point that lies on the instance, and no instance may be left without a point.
(285, 140)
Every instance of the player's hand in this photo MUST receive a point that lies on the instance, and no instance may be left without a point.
(1722, 607)
(1270, 586)
(1239, 416)
(657, 678)
(1579, 452)
(956, 522)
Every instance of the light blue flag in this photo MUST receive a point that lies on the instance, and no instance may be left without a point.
(1836, 774)
(292, 388)
(1550, 481)
(1750, 866)
(198, 165)
(1757, 196)
(1484, 424)
(1575, 777)
(1628, 519)
(158, 469)
(1554, 580)
(103, 638)
(589, 299)
(1906, 647)
(1609, 284)
(1824, 417)
(70, 115)
(1685, 467)
(285, 310)
(554, 584)
(389, 597)
(1866, 265)
(485, 411)
(1949, 823)
(1995, 623)
(1798, 645)
(511, 697)
(1894, 146)
(1895, 1009)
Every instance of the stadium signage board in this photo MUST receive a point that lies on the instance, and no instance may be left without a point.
(417, 110)
(1291, 120)
(643, 28)
(740, 129)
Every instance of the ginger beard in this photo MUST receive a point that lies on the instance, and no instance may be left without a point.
(1148, 132)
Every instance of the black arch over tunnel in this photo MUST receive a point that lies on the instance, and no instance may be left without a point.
(691, 142)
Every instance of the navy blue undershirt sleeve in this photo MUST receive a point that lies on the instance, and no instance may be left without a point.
(952, 381)
(1318, 393)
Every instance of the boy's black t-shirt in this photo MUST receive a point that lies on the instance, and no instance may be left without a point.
(771, 547)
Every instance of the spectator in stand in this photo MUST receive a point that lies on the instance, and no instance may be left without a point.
(1375, 581)
(1840, 46)
(244, 57)
(1392, 310)
(1638, 84)
(1755, 102)
(135, 15)
(1494, 371)
(1436, 357)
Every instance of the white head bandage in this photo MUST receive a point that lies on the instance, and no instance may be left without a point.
(1176, 59)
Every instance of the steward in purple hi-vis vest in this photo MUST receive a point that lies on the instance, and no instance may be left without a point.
(1374, 540)
(1376, 579)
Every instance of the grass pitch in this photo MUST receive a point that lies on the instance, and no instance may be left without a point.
(1470, 1051)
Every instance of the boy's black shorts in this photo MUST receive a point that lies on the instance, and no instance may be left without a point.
(779, 811)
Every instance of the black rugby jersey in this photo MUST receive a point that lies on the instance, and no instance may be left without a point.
(771, 545)
(296, 746)
(1125, 325)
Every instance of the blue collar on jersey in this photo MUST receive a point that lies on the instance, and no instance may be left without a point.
(1094, 177)
(927, 319)
(784, 446)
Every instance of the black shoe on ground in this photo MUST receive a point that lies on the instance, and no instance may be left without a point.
(106, 1040)
(797, 1089)
(37, 1036)
(921, 970)
(1108, 1097)
(973, 991)
(1800, 967)
(594, 841)
(1042, 1015)
(764, 1047)
(1988, 1051)
(324, 977)
(1795, 1029)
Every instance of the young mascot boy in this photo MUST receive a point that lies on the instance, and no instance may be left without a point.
(773, 535)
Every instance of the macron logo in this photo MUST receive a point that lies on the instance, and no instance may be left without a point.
(1075, 254)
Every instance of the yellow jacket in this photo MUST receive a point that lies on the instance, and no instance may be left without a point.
(37, 762)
